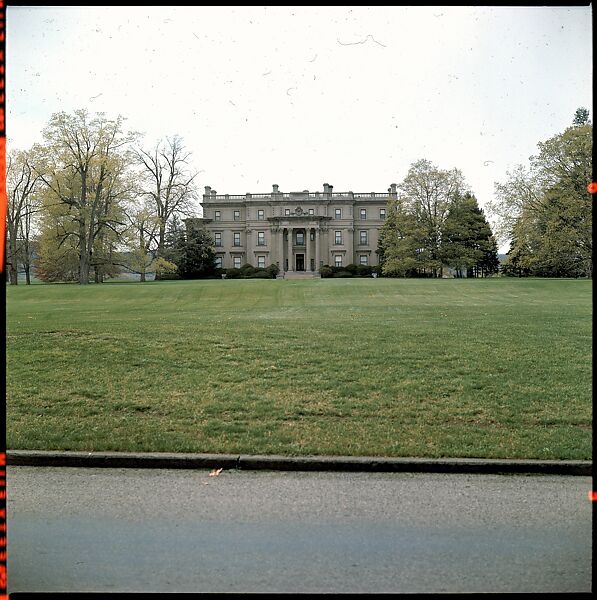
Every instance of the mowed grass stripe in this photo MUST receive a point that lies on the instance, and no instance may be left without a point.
(488, 368)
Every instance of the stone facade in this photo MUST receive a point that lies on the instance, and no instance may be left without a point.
(298, 231)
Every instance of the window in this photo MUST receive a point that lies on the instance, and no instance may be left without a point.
(363, 238)
(261, 238)
(300, 238)
(311, 211)
(338, 260)
(217, 215)
(236, 238)
(286, 211)
(237, 262)
(237, 215)
(382, 214)
(337, 237)
(363, 214)
(260, 214)
(363, 259)
(217, 238)
(338, 213)
(218, 262)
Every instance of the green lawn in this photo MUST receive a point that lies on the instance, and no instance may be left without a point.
(386, 367)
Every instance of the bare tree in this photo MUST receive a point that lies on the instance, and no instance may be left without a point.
(22, 185)
(168, 182)
(140, 236)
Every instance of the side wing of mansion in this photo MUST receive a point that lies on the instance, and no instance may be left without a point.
(298, 231)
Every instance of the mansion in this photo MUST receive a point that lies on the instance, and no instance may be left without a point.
(298, 231)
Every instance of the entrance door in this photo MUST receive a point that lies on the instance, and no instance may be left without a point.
(300, 262)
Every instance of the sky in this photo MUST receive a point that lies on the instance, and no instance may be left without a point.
(299, 96)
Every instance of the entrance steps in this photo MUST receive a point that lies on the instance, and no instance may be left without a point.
(299, 275)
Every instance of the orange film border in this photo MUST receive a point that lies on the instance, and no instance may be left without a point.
(3, 585)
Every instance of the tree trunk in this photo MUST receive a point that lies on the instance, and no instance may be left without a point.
(160, 248)
(13, 263)
(13, 274)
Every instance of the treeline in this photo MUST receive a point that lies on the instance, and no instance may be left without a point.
(90, 201)
(435, 224)
(545, 209)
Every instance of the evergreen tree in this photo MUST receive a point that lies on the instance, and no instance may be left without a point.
(194, 254)
(468, 245)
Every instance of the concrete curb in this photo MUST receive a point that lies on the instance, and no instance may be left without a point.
(164, 460)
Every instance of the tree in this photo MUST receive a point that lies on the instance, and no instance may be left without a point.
(412, 236)
(427, 192)
(468, 245)
(547, 213)
(581, 117)
(194, 254)
(402, 242)
(168, 183)
(84, 167)
(22, 187)
(140, 236)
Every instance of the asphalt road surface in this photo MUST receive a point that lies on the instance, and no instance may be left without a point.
(145, 530)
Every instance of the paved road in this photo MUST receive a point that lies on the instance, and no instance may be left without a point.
(75, 529)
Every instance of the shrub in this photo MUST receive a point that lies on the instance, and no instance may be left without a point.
(364, 271)
(273, 270)
(352, 268)
(326, 271)
(262, 274)
(247, 270)
(342, 274)
(232, 273)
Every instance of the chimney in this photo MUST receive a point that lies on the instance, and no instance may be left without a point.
(275, 188)
(207, 190)
(392, 189)
(330, 188)
(213, 193)
(325, 188)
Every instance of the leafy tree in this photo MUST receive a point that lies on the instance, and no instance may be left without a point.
(84, 167)
(411, 237)
(547, 213)
(403, 240)
(427, 192)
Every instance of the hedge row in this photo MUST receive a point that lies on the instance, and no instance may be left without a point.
(351, 270)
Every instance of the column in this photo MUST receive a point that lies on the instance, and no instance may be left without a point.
(308, 249)
(317, 249)
(281, 249)
(290, 257)
(349, 247)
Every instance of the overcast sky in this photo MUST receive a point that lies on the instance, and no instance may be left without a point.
(299, 96)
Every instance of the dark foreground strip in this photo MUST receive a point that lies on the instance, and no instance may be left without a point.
(163, 460)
